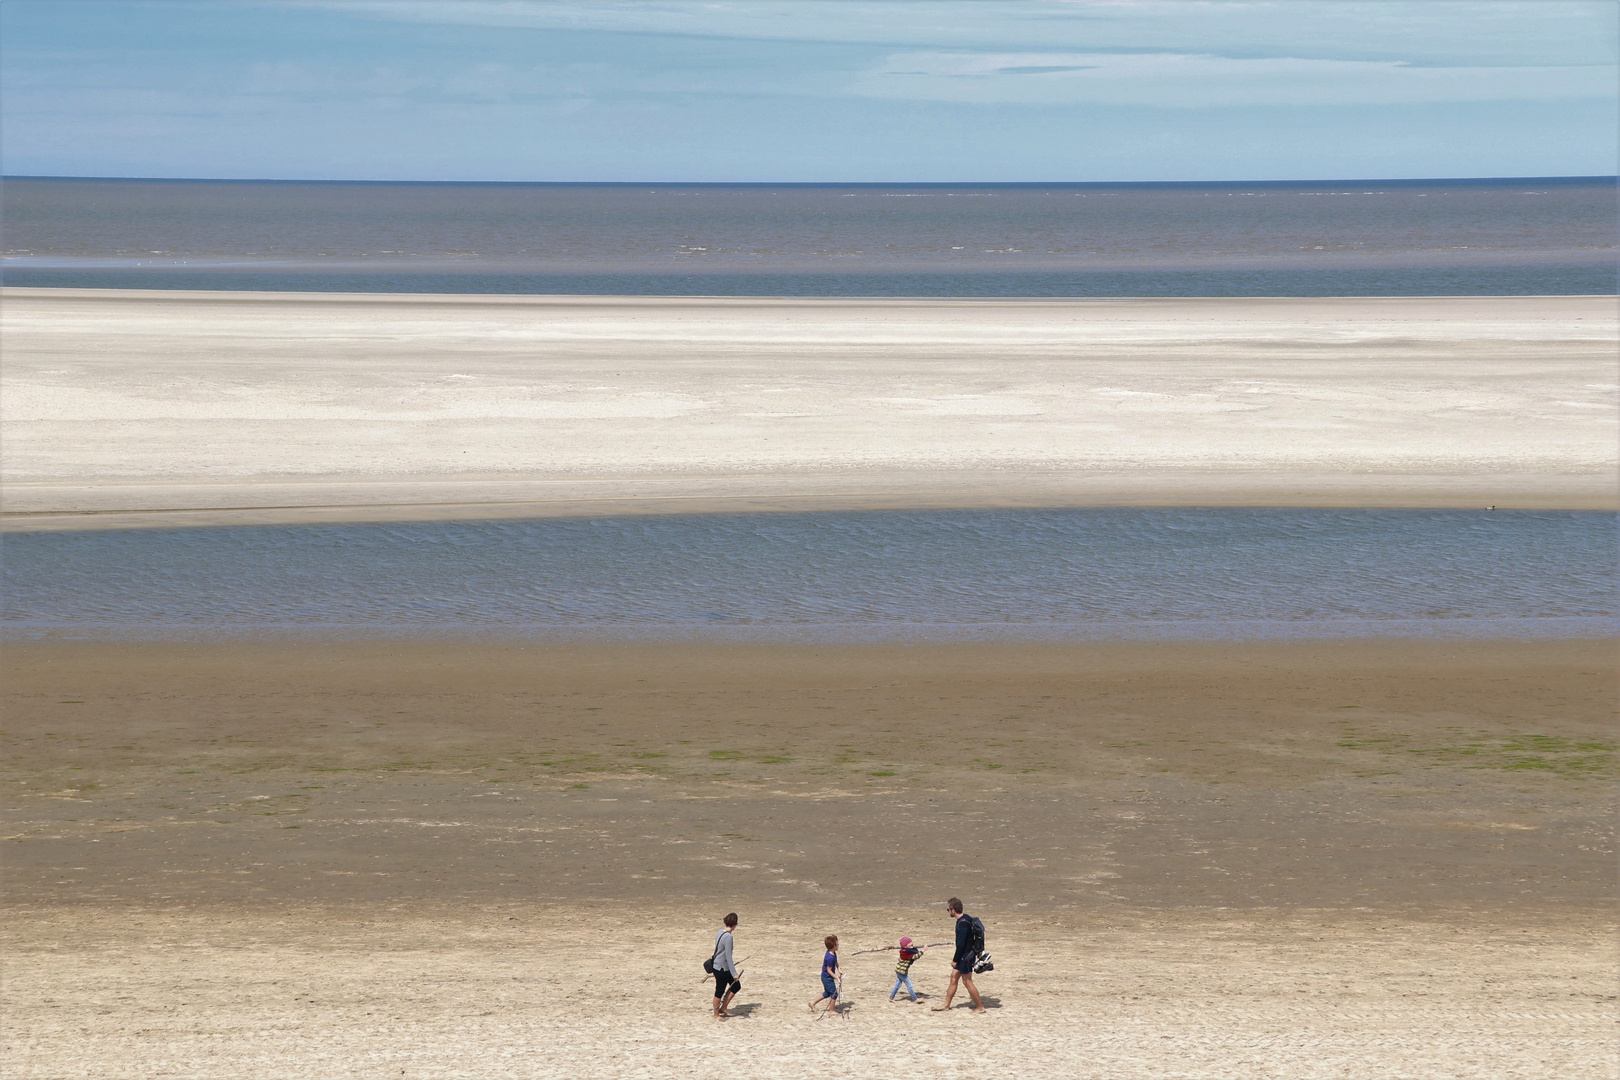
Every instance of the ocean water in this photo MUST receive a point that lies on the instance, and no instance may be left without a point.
(905, 576)
(1478, 237)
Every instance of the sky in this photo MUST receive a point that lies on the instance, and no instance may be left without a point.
(809, 90)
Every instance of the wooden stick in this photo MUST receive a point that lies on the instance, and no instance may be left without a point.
(891, 948)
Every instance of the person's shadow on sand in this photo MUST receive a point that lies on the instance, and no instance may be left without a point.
(743, 1012)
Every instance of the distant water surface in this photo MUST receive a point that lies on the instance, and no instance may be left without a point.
(1525, 236)
(942, 575)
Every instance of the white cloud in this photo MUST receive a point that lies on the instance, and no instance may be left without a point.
(341, 82)
(824, 89)
(1547, 33)
(1193, 80)
(288, 78)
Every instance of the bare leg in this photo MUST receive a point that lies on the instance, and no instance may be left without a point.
(950, 991)
(973, 992)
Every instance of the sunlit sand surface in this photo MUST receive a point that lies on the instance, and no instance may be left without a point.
(439, 859)
(531, 991)
(274, 407)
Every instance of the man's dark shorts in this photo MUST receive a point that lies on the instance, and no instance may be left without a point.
(726, 983)
(965, 967)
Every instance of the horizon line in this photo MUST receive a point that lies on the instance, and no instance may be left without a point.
(1564, 179)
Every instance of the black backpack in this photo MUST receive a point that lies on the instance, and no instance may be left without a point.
(975, 934)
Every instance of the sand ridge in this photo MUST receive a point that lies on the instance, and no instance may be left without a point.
(244, 407)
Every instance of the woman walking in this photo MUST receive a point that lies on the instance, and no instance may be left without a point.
(726, 981)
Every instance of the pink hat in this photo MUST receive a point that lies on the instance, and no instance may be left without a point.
(904, 942)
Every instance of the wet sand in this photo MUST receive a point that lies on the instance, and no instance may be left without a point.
(1358, 858)
(126, 408)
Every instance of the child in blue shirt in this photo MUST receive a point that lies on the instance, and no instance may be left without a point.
(830, 972)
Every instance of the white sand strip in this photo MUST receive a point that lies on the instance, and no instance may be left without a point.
(123, 407)
(506, 990)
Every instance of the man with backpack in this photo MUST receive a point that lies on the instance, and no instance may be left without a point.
(969, 944)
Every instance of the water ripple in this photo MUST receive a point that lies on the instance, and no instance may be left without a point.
(942, 574)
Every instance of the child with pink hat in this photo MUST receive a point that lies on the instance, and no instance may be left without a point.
(909, 955)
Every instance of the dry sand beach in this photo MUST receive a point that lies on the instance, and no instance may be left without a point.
(1364, 859)
(487, 859)
(243, 407)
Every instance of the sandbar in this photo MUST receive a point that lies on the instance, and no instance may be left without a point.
(126, 407)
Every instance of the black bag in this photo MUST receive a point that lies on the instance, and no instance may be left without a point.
(981, 959)
(708, 965)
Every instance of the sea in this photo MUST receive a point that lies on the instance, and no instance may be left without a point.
(1527, 236)
(879, 575)
(944, 575)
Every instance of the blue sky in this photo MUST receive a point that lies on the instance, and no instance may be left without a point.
(826, 90)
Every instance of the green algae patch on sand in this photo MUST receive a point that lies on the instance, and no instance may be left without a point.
(1561, 755)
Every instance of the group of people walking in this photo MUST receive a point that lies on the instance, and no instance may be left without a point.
(969, 956)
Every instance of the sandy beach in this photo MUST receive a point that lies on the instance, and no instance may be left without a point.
(128, 407)
(494, 858)
(488, 489)
(1348, 859)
